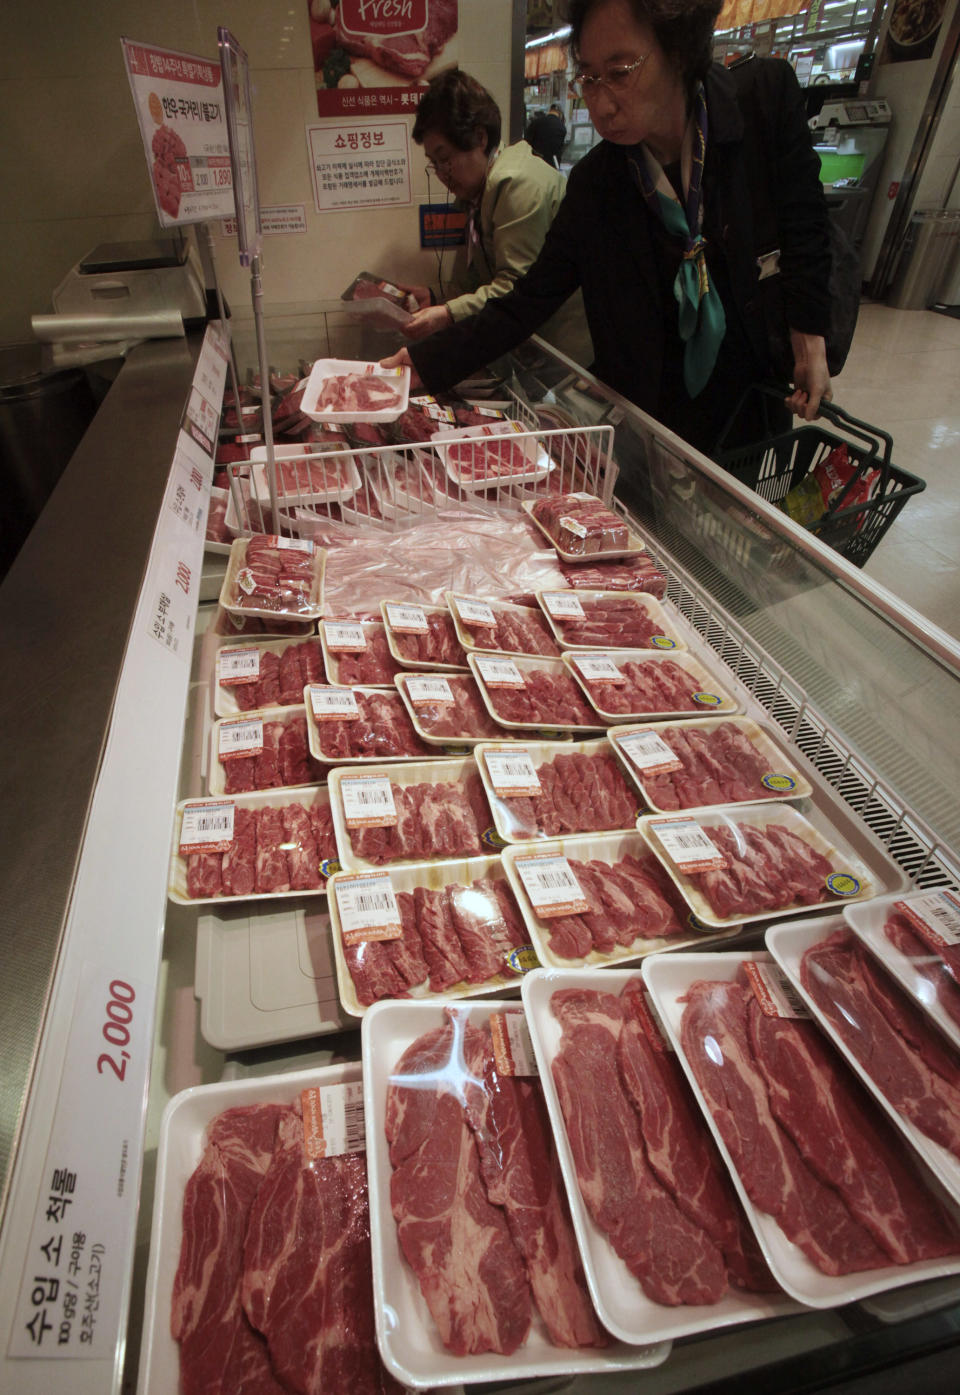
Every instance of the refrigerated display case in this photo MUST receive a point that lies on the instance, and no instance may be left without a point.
(108, 724)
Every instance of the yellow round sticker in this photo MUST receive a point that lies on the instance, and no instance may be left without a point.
(780, 784)
(524, 959)
(707, 699)
(663, 642)
(843, 884)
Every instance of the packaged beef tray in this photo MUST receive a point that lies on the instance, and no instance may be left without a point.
(708, 761)
(609, 620)
(422, 636)
(310, 473)
(498, 627)
(447, 709)
(241, 625)
(252, 847)
(444, 1118)
(272, 673)
(447, 929)
(359, 724)
(911, 1070)
(270, 576)
(629, 684)
(415, 812)
(757, 862)
(637, 572)
(598, 899)
(493, 455)
(532, 694)
(261, 750)
(235, 1301)
(551, 789)
(356, 653)
(666, 1246)
(841, 1209)
(582, 526)
(354, 390)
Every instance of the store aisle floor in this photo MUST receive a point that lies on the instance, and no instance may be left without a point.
(903, 374)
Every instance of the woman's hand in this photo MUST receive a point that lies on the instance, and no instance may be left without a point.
(421, 294)
(402, 359)
(811, 377)
(427, 321)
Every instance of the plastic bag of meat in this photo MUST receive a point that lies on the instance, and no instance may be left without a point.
(341, 389)
(580, 525)
(636, 573)
(379, 300)
(271, 576)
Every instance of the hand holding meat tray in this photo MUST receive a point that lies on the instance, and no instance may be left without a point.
(703, 1003)
(494, 1315)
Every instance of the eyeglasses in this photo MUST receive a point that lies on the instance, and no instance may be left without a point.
(615, 81)
(440, 167)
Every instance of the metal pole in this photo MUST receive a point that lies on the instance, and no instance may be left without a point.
(256, 290)
(222, 311)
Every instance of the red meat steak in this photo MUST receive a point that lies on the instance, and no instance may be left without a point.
(926, 965)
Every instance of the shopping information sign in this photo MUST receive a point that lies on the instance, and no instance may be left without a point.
(360, 164)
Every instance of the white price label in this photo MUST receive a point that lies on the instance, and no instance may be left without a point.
(936, 917)
(512, 772)
(368, 801)
(240, 738)
(237, 666)
(512, 1045)
(421, 691)
(332, 1120)
(499, 673)
(570, 525)
(292, 544)
(552, 886)
(206, 828)
(598, 668)
(474, 612)
(368, 908)
(774, 991)
(407, 619)
(333, 704)
(648, 751)
(343, 636)
(563, 605)
(688, 845)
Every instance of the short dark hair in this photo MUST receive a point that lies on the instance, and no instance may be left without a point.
(455, 104)
(682, 28)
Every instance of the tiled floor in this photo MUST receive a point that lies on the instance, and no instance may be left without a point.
(903, 374)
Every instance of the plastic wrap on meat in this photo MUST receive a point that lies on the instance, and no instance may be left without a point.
(284, 760)
(767, 869)
(433, 820)
(357, 392)
(547, 698)
(924, 963)
(373, 666)
(578, 794)
(514, 632)
(274, 578)
(282, 679)
(466, 716)
(638, 573)
(439, 645)
(653, 685)
(627, 904)
(595, 528)
(273, 850)
(610, 622)
(481, 459)
(382, 729)
(720, 765)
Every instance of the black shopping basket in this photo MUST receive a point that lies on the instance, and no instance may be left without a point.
(774, 465)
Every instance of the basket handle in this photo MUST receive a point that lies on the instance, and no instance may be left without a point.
(863, 429)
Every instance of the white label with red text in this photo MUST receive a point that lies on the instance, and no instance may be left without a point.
(563, 605)
(512, 1045)
(648, 752)
(367, 801)
(935, 916)
(598, 668)
(237, 666)
(552, 886)
(344, 636)
(333, 704)
(333, 1120)
(207, 828)
(407, 619)
(774, 991)
(500, 673)
(570, 525)
(368, 908)
(512, 772)
(241, 738)
(688, 845)
(474, 612)
(424, 691)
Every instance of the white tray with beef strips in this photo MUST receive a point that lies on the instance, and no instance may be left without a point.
(409, 1342)
(859, 868)
(564, 609)
(464, 450)
(668, 978)
(643, 748)
(179, 1151)
(216, 772)
(335, 637)
(544, 882)
(788, 944)
(434, 876)
(212, 821)
(635, 546)
(598, 674)
(489, 672)
(224, 694)
(324, 369)
(232, 592)
(428, 690)
(925, 978)
(311, 473)
(315, 727)
(513, 767)
(473, 614)
(368, 791)
(619, 1299)
(403, 620)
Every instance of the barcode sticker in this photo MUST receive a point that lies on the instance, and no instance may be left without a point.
(240, 738)
(688, 845)
(333, 704)
(570, 525)
(368, 908)
(332, 1120)
(292, 544)
(936, 918)
(500, 673)
(552, 887)
(431, 408)
(563, 605)
(344, 637)
(368, 801)
(512, 1046)
(206, 828)
(598, 668)
(421, 691)
(512, 771)
(474, 612)
(648, 752)
(237, 666)
(407, 619)
(774, 991)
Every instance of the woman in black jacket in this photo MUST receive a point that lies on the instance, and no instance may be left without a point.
(660, 222)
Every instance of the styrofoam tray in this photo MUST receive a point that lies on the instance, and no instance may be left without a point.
(421, 664)
(635, 544)
(277, 798)
(617, 1295)
(219, 548)
(538, 461)
(604, 847)
(714, 697)
(528, 664)
(782, 771)
(468, 635)
(867, 922)
(404, 502)
(216, 779)
(179, 1150)
(312, 608)
(314, 727)
(332, 657)
(368, 494)
(454, 744)
(667, 638)
(224, 626)
(265, 974)
(446, 772)
(788, 944)
(338, 463)
(224, 700)
(669, 976)
(324, 368)
(409, 1343)
(540, 752)
(433, 875)
(873, 871)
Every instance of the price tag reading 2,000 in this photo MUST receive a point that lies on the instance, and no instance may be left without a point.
(116, 1029)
